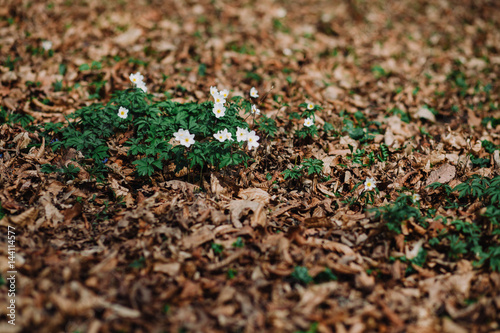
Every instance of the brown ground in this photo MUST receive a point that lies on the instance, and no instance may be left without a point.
(87, 263)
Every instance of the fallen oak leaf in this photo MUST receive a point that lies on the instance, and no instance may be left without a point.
(226, 261)
(201, 236)
(240, 208)
(255, 194)
(171, 268)
(22, 140)
(70, 213)
(330, 245)
(442, 175)
(25, 218)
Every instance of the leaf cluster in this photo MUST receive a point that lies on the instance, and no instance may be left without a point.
(394, 214)
(150, 127)
(312, 165)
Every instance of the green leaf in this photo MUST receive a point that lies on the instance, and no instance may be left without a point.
(84, 67)
(301, 274)
(145, 167)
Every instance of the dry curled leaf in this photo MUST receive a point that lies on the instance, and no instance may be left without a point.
(241, 208)
(255, 194)
(442, 175)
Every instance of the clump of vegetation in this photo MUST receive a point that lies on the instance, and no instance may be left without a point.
(205, 135)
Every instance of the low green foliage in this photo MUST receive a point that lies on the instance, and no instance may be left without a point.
(231, 273)
(480, 162)
(489, 146)
(2, 212)
(312, 165)
(301, 274)
(294, 173)
(152, 125)
(267, 125)
(312, 329)
(418, 260)
(325, 276)
(20, 118)
(217, 248)
(239, 243)
(396, 213)
(70, 171)
(358, 127)
(480, 237)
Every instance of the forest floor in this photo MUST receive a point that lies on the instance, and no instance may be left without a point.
(406, 93)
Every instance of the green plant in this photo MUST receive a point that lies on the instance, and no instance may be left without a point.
(294, 173)
(2, 212)
(239, 243)
(138, 263)
(153, 124)
(463, 238)
(457, 246)
(313, 166)
(379, 72)
(308, 129)
(21, 118)
(231, 273)
(384, 152)
(405, 116)
(396, 213)
(147, 165)
(301, 274)
(267, 125)
(474, 186)
(217, 248)
(489, 146)
(358, 127)
(70, 171)
(492, 256)
(312, 329)
(325, 276)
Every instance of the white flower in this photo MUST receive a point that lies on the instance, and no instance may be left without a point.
(219, 110)
(370, 184)
(224, 93)
(184, 137)
(122, 112)
(287, 52)
(136, 78)
(213, 91)
(219, 99)
(252, 139)
(415, 197)
(142, 85)
(310, 106)
(254, 93)
(220, 136)
(227, 134)
(308, 122)
(180, 134)
(255, 110)
(241, 134)
(281, 12)
(47, 45)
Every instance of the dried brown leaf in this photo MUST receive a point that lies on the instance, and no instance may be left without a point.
(442, 175)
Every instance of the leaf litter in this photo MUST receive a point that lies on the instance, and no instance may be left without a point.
(245, 249)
